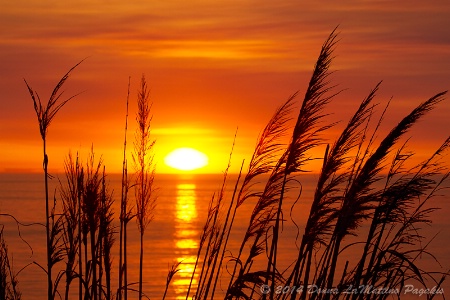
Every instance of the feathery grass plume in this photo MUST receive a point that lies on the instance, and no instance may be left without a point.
(45, 114)
(71, 195)
(86, 220)
(145, 171)
(387, 194)
(306, 135)
(263, 161)
(267, 150)
(261, 219)
(214, 243)
(358, 202)
(373, 165)
(307, 128)
(394, 209)
(125, 212)
(91, 206)
(323, 209)
(172, 271)
(8, 279)
(394, 261)
(397, 251)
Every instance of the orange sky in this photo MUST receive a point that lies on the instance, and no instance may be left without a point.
(212, 66)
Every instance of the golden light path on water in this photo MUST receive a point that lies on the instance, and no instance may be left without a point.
(186, 237)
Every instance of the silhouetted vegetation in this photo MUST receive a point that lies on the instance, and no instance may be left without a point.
(367, 189)
(8, 279)
(45, 114)
(145, 172)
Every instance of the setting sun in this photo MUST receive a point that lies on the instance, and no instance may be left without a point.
(186, 159)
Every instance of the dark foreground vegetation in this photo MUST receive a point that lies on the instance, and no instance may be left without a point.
(364, 180)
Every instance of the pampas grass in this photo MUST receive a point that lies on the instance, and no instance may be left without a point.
(305, 136)
(45, 114)
(145, 172)
(368, 189)
(347, 195)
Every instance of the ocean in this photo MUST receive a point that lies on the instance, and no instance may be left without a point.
(173, 235)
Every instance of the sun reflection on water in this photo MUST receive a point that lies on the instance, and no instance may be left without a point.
(186, 197)
(185, 237)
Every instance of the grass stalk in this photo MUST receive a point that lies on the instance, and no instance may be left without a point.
(262, 162)
(207, 228)
(80, 192)
(123, 198)
(45, 114)
(172, 271)
(143, 161)
(70, 196)
(304, 138)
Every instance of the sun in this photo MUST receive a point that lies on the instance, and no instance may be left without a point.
(186, 159)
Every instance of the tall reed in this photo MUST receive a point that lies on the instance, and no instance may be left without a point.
(88, 232)
(358, 201)
(145, 172)
(125, 212)
(71, 195)
(263, 161)
(347, 195)
(305, 137)
(106, 238)
(45, 114)
(325, 203)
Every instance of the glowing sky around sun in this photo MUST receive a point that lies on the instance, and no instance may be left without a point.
(212, 66)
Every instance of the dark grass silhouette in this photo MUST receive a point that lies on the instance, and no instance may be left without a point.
(347, 195)
(88, 232)
(126, 214)
(362, 182)
(8, 278)
(145, 171)
(45, 114)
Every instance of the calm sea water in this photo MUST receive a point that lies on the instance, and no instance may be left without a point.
(173, 235)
